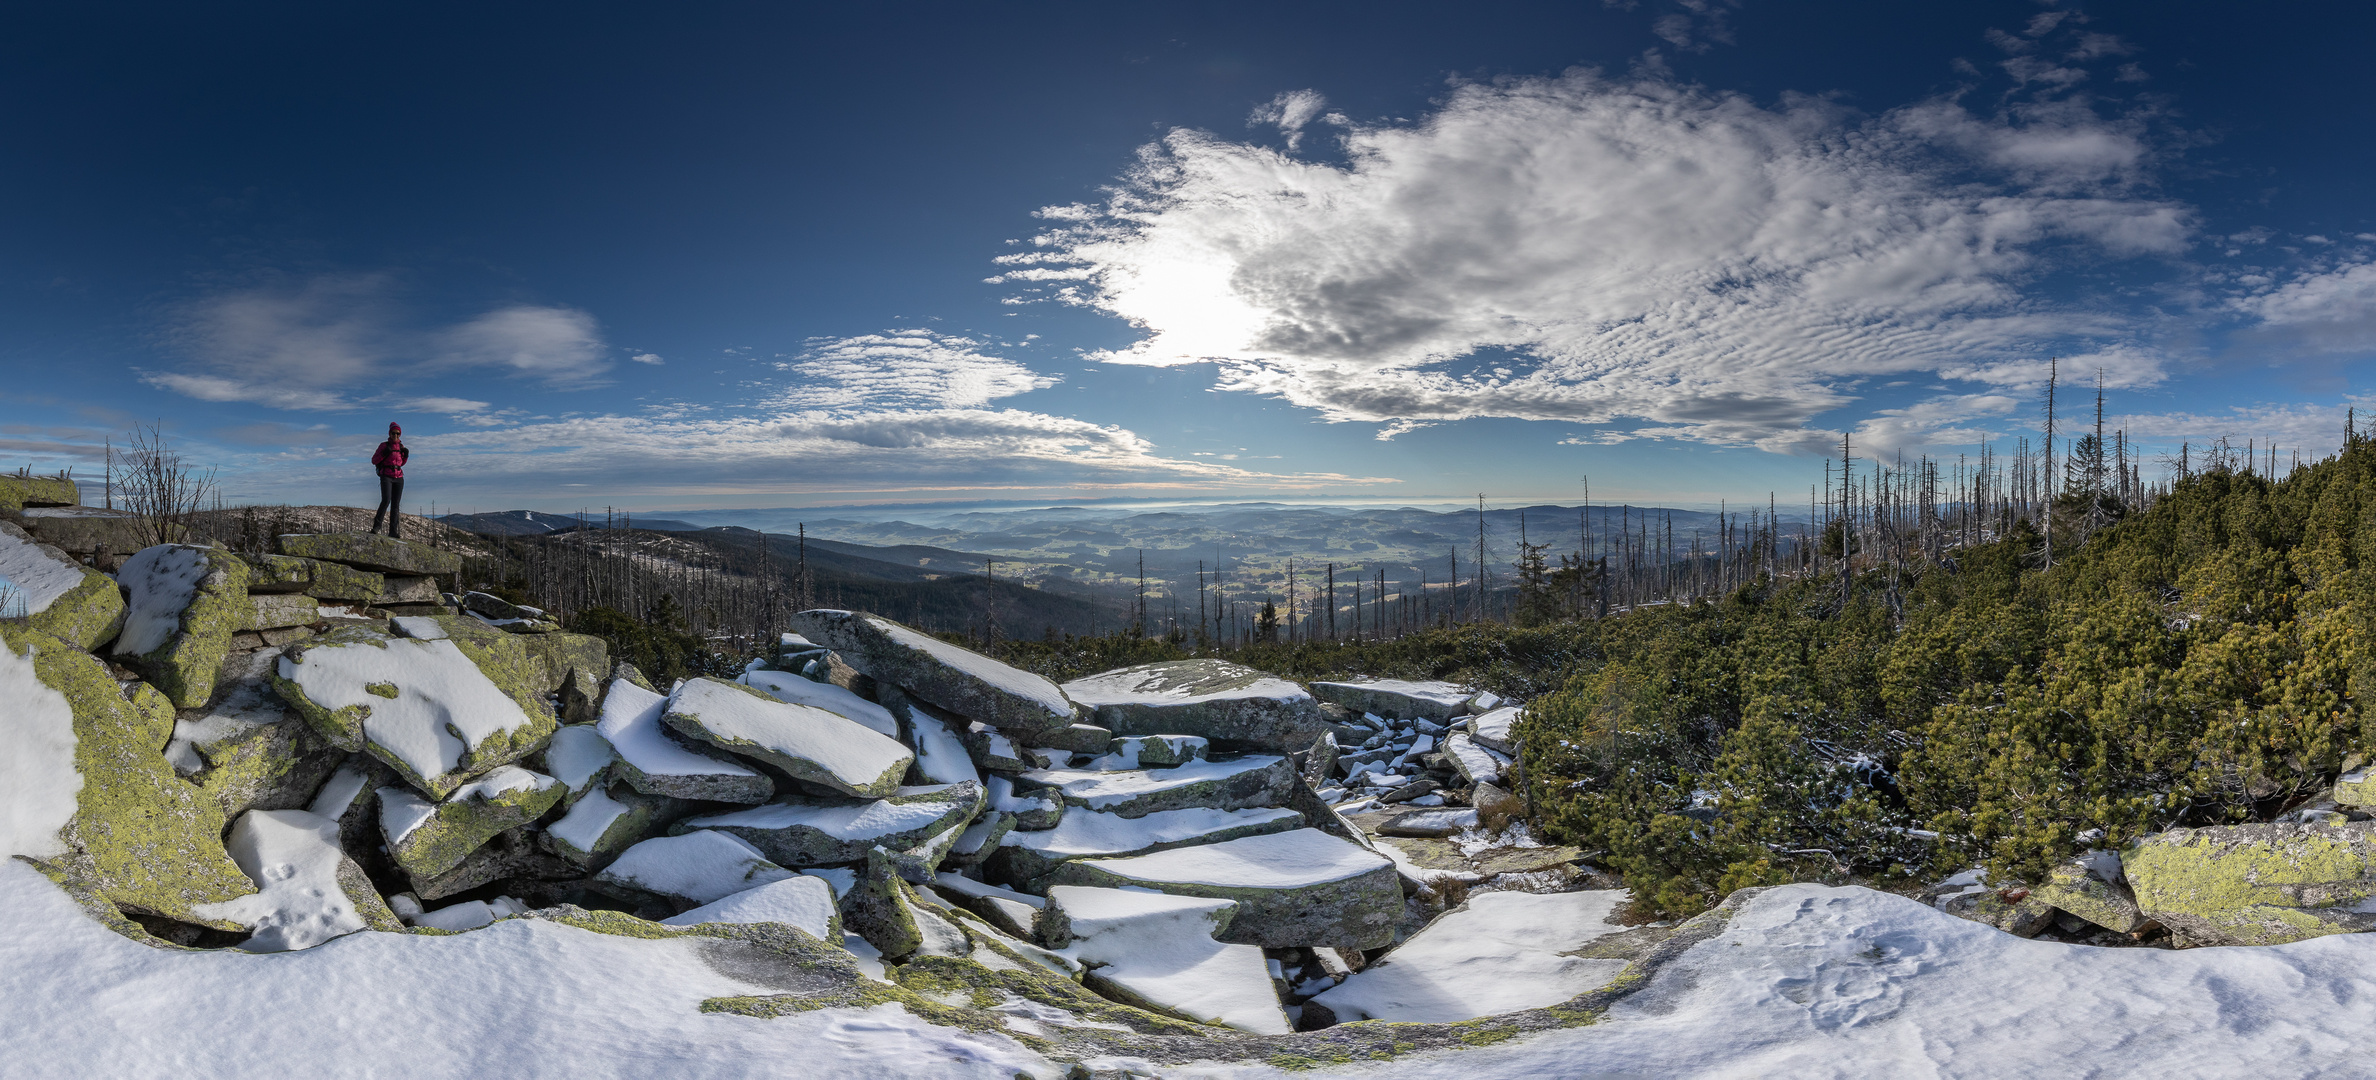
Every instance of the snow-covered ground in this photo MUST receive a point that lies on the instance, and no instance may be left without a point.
(1807, 981)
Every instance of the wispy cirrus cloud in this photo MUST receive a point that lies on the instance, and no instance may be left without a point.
(335, 342)
(903, 369)
(1662, 259)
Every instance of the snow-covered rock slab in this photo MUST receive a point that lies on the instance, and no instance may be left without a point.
(1499, 953)
(1475, 763)
(427, 708)
(1397, 699)
(56, 594)
(696, 868)
(1023, 857)
(607, 821)
(812, 744)
(309, 891)
(1430, 823)
(428, 839)
(1492, 729)
(957, 679)
(655, 764)
(801, 902)
(580, 758)
(1039, 808)
(799, 690)
(1259, 780)
(371, 551)
(1296, 888)
(85, 530)
(804, 833)
(1157, 952)
(1222, 701)
(183, 603)
(1016, 913)
(941, 754)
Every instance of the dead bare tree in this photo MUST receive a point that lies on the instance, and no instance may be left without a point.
(163, 491)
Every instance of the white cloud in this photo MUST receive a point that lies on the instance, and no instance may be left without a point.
(647, 358)
(2329, 310)
(904, 369)
(819, 451)
(1290, 111)
(1583, 249)
(561, 347)
(341, 341)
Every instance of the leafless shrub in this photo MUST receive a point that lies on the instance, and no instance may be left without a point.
(161, 489)
(12, 600)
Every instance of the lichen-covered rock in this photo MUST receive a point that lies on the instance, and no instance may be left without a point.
(1298, 888)
(1260, 780)
(87, 530)
(512, 857)
(247, 748)
(2354, 789)
(1225, 702)
(958, 679)
(809, 743)
(371, 551)
(1397, 699)
(878, 908)
(184, 604)
(58, 595)
(272, 611)
(2256, 884)
(406, 589)
(2013, 911)
(439, 710)
(562, 656)
(1040, 808)
(308, 890)
(345, 584)
(142, 836)
(916, 865)
(1022, 858)
(428, 839)
(992, 751)
(2093, 887)
(20, 490)
(1152, 752)
(609, 820)
(805, 832)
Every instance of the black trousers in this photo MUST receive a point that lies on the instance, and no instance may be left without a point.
(391, 505)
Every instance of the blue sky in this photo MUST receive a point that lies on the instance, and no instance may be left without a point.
(768, 255)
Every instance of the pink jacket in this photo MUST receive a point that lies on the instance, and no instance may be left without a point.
(390, 458)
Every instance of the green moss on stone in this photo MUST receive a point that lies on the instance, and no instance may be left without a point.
(464, 823)
(19, 492)
(2255, 884)
(371, 551)
(382, 689)
(184, 667)
(144, 838)
(86, 615)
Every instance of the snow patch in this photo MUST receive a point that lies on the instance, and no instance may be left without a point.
(39, 576)
(160, 581)
(1499, 954)
(38, 780)
(443, 705)
(631, 722)
(293, 857)
(804, 903)
(799, 690)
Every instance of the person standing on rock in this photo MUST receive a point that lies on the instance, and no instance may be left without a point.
(389, 460)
